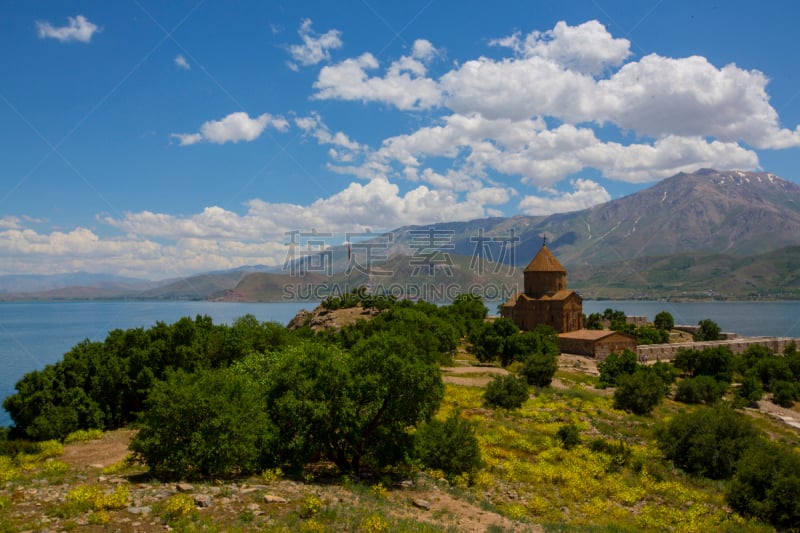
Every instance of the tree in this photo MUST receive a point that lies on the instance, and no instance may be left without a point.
(450, 445)
(702, 389)
(616, 365)
(508, 391)
(594, 321)
(707, 442)
(664, 321)
(766, 485)
(639, 392)
(351, 407)
(717, 362)
(569, 435)
(538, 369)
(749, 391)
(784, 393)
(650, 335)
(208, 423)
(708, 331)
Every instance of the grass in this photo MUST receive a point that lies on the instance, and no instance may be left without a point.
(614, 480)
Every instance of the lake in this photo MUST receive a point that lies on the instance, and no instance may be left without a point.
(35, 334)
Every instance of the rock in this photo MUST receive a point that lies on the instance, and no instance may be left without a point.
(248, 490)
(406, 484)
(270, 498)
(422, 504)
(143, 510)
(202, 500)
(184, 487)
(116, 480)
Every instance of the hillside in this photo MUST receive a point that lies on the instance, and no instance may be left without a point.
(727, 233)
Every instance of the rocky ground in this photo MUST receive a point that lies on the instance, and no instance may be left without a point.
(42, 503)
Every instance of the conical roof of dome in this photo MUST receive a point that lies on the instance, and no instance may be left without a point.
(545, 261)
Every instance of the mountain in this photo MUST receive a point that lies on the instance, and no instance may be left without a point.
(709, 211)
(701, 233)
(35, 283)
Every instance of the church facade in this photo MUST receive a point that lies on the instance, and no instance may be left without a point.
(546, 299)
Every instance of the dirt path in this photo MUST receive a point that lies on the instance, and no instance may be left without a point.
(100, 453)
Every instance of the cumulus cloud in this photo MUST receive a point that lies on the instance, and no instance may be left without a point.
(77, 29)
(181, 62)
(315, 48)
(585, 193)
(344, 148)
(587, 48)
(233, 128)
(404, 85)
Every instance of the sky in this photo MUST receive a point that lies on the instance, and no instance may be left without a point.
(161, 139)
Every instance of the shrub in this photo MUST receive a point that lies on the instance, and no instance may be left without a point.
(509, 392)
(616, 365)
(351, 407)
(708, 331)
(538, 369)
(450, 446)
(569, 435)
(664, 321)
(749, 391)
(639, 392)
(766, 485)
(620, 454)
(702, 389)
(784, 393)
(208, 423)
(707, 442)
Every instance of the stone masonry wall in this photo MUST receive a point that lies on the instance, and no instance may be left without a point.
(667, 352)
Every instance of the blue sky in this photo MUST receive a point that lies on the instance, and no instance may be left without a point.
(161, 139)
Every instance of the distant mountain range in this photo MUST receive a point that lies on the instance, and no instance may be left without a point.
(721, 234)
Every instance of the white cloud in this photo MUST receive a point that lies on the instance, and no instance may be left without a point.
(587, 48)
(9, 222)
(181, 62)
(233, 128)
(586, 193)
(346, 148)
(660, 96)
(315, 48)
(404, 85)
(78, 29)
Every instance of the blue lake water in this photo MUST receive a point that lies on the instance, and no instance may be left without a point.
(33, 335)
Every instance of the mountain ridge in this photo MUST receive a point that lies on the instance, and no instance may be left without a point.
(716, 217)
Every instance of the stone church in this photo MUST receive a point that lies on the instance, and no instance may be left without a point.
(546, 299)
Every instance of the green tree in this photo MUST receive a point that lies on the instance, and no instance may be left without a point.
(702, 389)
(664, 321)
(784, 393)
(569, 435)
(508, 391)
(616, 365)
(766, 485)
(450, 445)
(749, 391)
(650, 335)
(594, 321)
(351, 407)
(708, 331)
(707, 442)
(639, 392)
(538, 369)
(208, 423)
